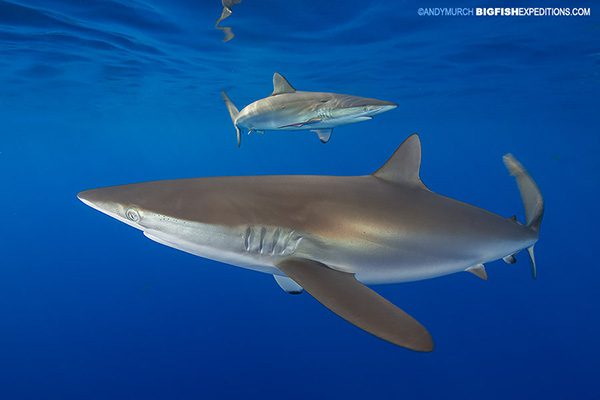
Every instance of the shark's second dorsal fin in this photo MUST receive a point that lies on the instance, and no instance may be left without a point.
(281, 85)
(403, 166)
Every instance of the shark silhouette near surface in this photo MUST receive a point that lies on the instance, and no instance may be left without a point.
(332, 235)
(287, 109)
(226, 13)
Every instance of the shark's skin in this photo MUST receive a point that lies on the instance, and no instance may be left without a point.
(384, 228)
(290, 110)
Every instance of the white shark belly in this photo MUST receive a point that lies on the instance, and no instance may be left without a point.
(234, 258)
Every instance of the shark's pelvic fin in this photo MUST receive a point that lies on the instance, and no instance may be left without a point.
(356, 303)
(288, 285)
(281, 85)
(233, 113)
(479, 271)
(404, 165)
(324, 134)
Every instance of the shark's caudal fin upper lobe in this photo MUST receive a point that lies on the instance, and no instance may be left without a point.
(233, 113)
(532, 200)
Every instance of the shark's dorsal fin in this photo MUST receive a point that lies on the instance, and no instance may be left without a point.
(281, 85)
(403, 166)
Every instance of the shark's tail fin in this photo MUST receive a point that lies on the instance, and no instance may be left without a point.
(532, 200)
(233, 113)
(530, 193)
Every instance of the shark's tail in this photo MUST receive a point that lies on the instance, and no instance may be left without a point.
(532, 200)
(233, 113)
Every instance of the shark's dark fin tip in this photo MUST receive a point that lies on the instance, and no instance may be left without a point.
(288, 285)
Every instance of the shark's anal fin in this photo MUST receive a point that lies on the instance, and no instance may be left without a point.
(510, 259)
(324, 134)
(288, 285)
(404, 165)
(281, 85)
(356, 303)
(479, 271)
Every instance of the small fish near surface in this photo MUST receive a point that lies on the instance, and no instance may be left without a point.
(226, 13)
(333, 235)
(288, 109)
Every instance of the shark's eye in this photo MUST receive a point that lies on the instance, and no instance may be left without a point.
(132, 215)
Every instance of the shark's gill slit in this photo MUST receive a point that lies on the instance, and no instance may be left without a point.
(275, 240)
(261, 243)
(248, 238)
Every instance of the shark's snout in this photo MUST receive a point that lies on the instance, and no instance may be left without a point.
(108, 201)
(91, 198)
(384, 107)
(365, 107)
(379, 106)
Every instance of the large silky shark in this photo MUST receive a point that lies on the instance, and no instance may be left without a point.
(332, 235)
(287, 109)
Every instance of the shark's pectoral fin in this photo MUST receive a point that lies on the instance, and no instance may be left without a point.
(281, 85)
(479, 271)
(356, 303)
(324, 134)
(288, 284)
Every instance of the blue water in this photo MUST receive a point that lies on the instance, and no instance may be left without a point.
(107, 92)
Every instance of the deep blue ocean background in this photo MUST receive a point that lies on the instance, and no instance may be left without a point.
(103, 92)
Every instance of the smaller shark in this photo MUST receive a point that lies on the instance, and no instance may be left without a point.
(227, 5)
(287, 109)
